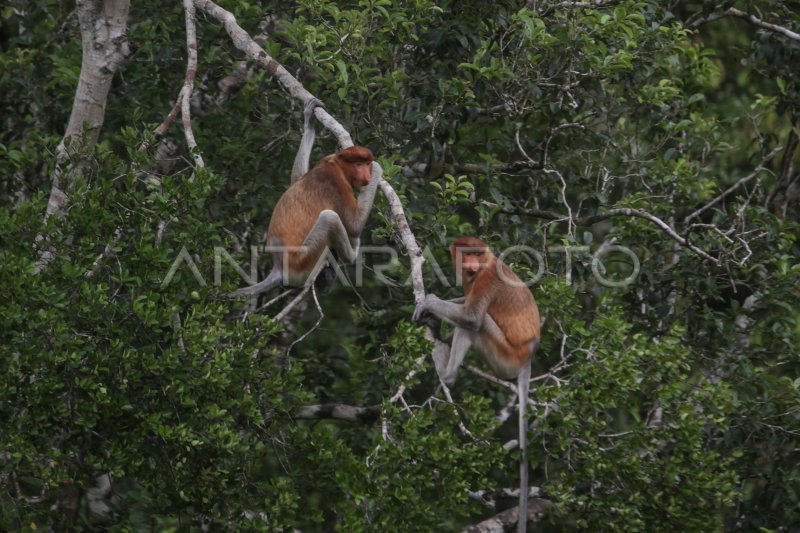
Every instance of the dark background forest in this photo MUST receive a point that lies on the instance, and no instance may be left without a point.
(666, 393)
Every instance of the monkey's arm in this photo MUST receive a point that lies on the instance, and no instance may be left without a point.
(435, 323)
(365, 200)
(300, 167)
(467, 315)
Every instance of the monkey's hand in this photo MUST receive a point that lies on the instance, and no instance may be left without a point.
(309, 108)
(422, 313)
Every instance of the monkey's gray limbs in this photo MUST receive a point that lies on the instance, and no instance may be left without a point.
(473, 327)
(329, 230)
(303, 156)
(343, 236)
(458, 314)
(355, 220)
(426, 318)
(366, 198)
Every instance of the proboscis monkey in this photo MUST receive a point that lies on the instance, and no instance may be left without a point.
(318, 211)
(499, 318)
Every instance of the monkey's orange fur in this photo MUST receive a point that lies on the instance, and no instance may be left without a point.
(329, 185)
(511, 304)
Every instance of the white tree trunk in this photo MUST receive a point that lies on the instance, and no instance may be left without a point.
(105, 47)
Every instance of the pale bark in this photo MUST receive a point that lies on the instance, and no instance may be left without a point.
(105, 47)
(500, 522)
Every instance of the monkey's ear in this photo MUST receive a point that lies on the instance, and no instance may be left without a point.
(453, 251)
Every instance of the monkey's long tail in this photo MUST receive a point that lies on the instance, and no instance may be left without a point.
(271, 281)
(523, 383)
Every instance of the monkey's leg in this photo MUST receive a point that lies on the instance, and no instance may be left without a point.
(491, 342)
(272, 280)
(448, 357)
(328, 231)
(440, 354)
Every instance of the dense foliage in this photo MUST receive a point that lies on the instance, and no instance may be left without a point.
(667, 404)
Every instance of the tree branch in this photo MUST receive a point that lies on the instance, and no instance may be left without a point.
(487, 497)
(338, 411)
(496, 524)
(729, 190)
(593, 219)
(185, 97)
(752, 19)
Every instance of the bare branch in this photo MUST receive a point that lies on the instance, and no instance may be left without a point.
(411, 168)
(164, 126)
(316, 324)
(487, 497)
(536, 509)
(589, 5)
(285, 311)
(337, 411)
(729, 190)
(461, 425)
(752, 19)
(593, 219)
(411, 373)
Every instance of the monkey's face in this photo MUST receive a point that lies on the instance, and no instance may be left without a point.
(360, 175)
(471, 264)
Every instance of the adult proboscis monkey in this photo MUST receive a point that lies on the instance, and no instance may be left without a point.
(498, 316)
(318, 211)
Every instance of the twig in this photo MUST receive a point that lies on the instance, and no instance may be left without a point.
(752, 19)
(503, 383)
(571, 226)
(409, 376)
(285, 311)
(593, 219)
(278, 297)
(461, 425)
(316, 325)
(733, 187)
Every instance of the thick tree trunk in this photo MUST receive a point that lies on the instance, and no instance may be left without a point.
(105, 47)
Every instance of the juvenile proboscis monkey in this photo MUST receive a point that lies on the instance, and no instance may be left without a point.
(499, 318)
(318, 211)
